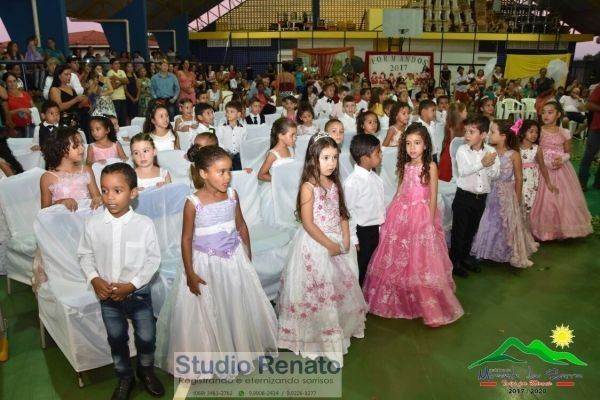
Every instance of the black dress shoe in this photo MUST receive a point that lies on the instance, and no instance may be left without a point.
(459, 270)
(150, 381)
(124, 388)
(472, 264)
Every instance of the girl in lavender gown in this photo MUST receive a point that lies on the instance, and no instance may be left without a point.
(503, 235)
(217, 306)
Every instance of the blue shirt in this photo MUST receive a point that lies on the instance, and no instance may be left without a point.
(164, 86)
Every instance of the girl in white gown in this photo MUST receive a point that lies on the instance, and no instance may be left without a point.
(143, 154)
(217, 306)
(321, 305)
(283, 138)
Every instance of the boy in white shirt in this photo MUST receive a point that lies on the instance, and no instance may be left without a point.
(363, 191)
(365, 97)
(338, 108)
(119, 254)
(442, 109)
(324, 105)
(477, 165)
(255, 117)
(232, 133)
(427, 118)
(348, 118)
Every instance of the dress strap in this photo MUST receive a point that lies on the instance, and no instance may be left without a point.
(231, 193)
(194, 200)
(275, 153)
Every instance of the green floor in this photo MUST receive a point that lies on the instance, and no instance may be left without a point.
(397, 359)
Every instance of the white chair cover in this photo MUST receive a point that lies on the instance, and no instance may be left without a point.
(321, 123)
(30, 159)
(253, 152)
(269, 243)
(388, 172)
(301, 146)
(347, 140)
(255, 131)
(19, 144)
(138, 122)
(270, 118)
(285, 181)
(98, 167)
(346, 164)
(438, 138)
(20, 202)
(68, 306)
(454, 145)
(174, 161)
(511, 107)
(35, 116)
(164, 206)
(186, 139)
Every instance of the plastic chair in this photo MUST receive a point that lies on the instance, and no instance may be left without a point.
(174, 161)
(529, 111)
(511, 107)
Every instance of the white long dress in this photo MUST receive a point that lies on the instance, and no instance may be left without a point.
(266, 191)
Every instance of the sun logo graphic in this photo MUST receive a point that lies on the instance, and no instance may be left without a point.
(562, 336)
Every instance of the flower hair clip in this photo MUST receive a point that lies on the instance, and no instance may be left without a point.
(517, 126)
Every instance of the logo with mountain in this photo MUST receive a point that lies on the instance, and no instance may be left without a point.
(562, 337)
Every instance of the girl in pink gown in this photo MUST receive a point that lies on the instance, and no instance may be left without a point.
(410, 273)
(564, 214)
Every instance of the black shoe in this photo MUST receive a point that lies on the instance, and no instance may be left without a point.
(150, 381)
(458, 270)
(472, 265)
(124, 388)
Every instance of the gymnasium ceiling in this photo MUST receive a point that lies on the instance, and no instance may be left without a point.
(580, 14)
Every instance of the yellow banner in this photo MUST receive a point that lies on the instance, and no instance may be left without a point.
(524, 66)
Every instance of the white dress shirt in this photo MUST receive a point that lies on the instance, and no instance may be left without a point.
(472, 175)
(569, 104)
(431, 129)
(362, 105)
(119, 250)
(230, 138)
(363, 191)
(348, 122)
(323, 108)
(36, 133)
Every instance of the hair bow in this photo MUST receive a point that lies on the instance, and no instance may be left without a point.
(517, 126)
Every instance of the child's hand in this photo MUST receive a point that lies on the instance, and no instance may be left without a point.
(488, 159)
(101, 161)
(557, 162)
(96, 202)
(553, 188)
(161, 184)
(35, 148)
(334, 249)
(102, 288)
(121, 290)
(248, 170)
(357, 247)
(71, 204)
(194, 282)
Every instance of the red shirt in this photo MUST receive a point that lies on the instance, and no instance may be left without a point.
(595, 98)
(15, 102)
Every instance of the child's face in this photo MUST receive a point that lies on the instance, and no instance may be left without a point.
(336, 131)
(367, 95)
(255, 108)
(143, 154)
(116, 193)
(232, 114)
(403, 115)
(373, 160)
(207, 117)
(289, 105)
(186, 108)
(415, 146)
(403, 96)
(495, 138)
(161, 118)
(428, 114)
(438, 93)
(549, 115)
(76, 150)
(330, 91)
(370, 124)
(350, 108)
(204, 141)
(98, 130)
(343, 94)
(288, 138)
(306, 117)
(387, 109)
(464, 114)
(218, 175)
(442, 104)
(328, 160)
(532, 134)
(51, 116)
(473, 136)
(487, 108)
(202, 98)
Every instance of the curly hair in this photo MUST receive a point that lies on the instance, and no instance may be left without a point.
(360, 121)
(415, 128)
(203, 158)
(57, 145)
(396, 109)
(311, 172)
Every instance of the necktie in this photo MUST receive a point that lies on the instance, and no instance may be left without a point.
(255, 120)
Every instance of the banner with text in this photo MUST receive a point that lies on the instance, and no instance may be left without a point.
(383, 66)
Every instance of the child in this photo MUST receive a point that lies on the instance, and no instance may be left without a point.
(427, 110)
(324, 105)
(486, 108)
(442, 109)
(206, 139)
(348, 118)
(232, 133)
(185, 122)
(503, 235)
(364, 196)
(453, 128)
(143, 154)
(283, 139)
(215, 97)
(532, 158)
(67, 181)
(289, 104)
(305, 118)
(51, 118)
(9, 166)
(384, 120)
(564, 214)
(320, 304)
(399, 117)
(202, 98)
(477, 165)
(338, 108)
(367, 122)
(410, 273)
(365, 97)
(217, 304)
(205, 116)
(335, 129)
(119, 254)
(159, 127)
(255, 117)
(376, 101)
(105, 144)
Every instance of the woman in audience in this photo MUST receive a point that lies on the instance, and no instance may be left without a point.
(187, 82)
(99, 89)
(132, 93)
(17, 107)
(64, 95)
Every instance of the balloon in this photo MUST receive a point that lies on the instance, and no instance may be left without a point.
(557, 70)
(488, 69)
